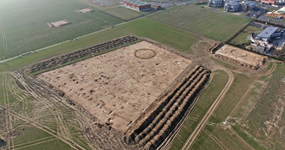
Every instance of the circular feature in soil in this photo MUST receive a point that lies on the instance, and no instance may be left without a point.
(145, 53)
(238, 53)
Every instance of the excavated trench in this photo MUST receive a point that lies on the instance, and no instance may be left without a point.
(151, 132)
(224, 58)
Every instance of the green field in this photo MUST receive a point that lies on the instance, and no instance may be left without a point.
(203, 104)
(142, 27)
(118, 11)
(220, 135)
(239, 87)
(24, 24)
(242, 37)
(33, 138)
(96, 5)
(265, 120)
(216, 25)
(122, 12)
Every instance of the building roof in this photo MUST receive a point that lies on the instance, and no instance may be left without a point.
(137, 2)
(282, 10)
(233, 4)
(266, 33)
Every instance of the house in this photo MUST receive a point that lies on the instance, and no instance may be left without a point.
(215, 3)
(232, 6)
(277, 13)
(267, 34)
(137, 5)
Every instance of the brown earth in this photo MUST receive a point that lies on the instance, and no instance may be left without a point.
(119, 86)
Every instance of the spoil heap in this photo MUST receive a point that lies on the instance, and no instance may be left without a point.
(150, 132)
(60, 60)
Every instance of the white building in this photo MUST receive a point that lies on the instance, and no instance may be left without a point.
(247, 5)
(215, 3)
(232, 6)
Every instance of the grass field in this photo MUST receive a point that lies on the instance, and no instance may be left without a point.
(233, 96)
(203, 104)
(242, 37)
(216, 25)
(216, 137)
(122, 12)
(96, 5)
(142, 27)
(24, 24)
(33, 138)
(118, 11)
(220, 135)
(262, 115)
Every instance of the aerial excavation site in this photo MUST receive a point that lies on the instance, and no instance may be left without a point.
(142, 75)
(112, 85)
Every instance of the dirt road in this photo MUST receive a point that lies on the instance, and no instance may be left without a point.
(203, 122)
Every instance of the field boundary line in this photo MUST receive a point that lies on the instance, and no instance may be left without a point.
(36, 143)
(216, 140)
(32, 142)
(241, 139)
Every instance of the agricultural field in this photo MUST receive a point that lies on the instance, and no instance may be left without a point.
(25, 28)
(262, 115)
(212, 24)
(144, 27)
(221, 134)
(101, 4)
(115, 9)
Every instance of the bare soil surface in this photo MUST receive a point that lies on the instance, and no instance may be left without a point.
(241, 55)
(119, 86)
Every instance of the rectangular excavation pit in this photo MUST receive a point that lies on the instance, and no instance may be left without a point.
(117, 87)
(59, 23)
(240, 57)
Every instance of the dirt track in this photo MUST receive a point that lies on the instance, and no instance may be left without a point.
(98, 137)
(202, 123)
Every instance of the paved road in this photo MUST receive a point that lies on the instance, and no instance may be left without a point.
(203, 122)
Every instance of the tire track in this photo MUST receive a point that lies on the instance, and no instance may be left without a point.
(241, 139)
(212, 109)
(62, 132)
(42, 127)
(6, 112)
(270, 71)
(33, 142)
(216, 140)
(40, 142)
